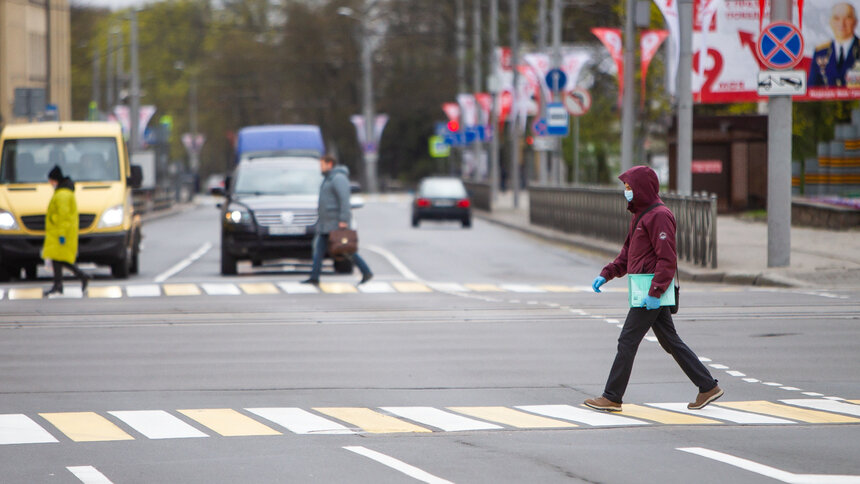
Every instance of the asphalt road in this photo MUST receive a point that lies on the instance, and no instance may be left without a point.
(465, 360)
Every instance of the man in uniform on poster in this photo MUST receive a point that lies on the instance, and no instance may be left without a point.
(833, 60)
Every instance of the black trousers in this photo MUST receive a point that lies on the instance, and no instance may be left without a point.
(58, 272)
(638, 321)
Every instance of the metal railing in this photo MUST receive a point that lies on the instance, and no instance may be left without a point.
(480, 195)
(602, 213)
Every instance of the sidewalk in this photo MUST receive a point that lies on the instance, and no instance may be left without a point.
(819, 258)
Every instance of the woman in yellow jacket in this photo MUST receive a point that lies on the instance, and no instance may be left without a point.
(61, 231)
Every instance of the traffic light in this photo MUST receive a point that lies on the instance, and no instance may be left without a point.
(453, 126)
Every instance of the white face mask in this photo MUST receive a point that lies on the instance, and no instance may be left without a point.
(628, 194)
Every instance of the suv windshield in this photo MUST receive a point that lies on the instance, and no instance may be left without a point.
(288, 177)
(443, 188)
(81, 159)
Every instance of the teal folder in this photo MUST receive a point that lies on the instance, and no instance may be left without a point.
(638, 286)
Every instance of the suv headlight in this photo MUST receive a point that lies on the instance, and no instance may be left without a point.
(236, 215)
(111, 217)
(7, 221)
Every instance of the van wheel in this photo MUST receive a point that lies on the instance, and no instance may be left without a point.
(228, 263)
(134, 266)
(343, 266)
(121, 268)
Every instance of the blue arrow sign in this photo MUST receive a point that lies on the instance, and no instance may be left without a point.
(556, 79)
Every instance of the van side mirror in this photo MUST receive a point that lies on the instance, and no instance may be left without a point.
(136, 178)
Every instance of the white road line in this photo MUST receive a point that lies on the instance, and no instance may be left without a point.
(179, 267)
(769, 471)
(521, 288)
(448, 287)
(434, 417)
(298, 288)
(826, 405)
(398, 465)
(20, 429)
(143, 290)
(376, 288)
(394, 261)
(590, 417)
(89, 475)
(301, 421)
(735, 373)
(158, 424)
(722, 414)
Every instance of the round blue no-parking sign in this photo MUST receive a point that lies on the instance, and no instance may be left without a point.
(780, 46)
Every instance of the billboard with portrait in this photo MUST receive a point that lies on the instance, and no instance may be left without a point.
(725, 64)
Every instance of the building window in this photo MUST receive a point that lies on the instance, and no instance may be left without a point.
(38, 58)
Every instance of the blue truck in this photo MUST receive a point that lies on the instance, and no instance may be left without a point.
(279, 140)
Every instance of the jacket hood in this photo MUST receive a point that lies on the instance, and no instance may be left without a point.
(339, 169)
(643, 181)
(66, 183)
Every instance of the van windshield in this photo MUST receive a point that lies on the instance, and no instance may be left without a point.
(81, 159)
(282, 177)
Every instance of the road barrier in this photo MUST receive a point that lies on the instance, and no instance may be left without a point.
(602, 213)
(479, 194)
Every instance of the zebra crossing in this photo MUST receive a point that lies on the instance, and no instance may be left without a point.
(72, 291)
(127, 425)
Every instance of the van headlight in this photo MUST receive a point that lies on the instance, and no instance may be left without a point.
(237, 215)
(7, 221)
(111, 217)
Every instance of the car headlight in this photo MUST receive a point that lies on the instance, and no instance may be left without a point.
(111, 217)
(7, 221)
(237, 215)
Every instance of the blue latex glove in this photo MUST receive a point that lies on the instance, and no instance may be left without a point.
(652, 302)
(62, 240)
(598, 281)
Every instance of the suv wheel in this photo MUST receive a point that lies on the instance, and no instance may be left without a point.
(228, 262)
(122, 266)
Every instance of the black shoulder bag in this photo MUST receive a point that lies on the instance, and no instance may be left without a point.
(672, 309)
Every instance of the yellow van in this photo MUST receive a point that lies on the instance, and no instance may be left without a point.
(94, 156)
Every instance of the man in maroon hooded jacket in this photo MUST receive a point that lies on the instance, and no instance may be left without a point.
(649, 249)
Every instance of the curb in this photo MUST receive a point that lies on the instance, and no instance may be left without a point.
(686, 273)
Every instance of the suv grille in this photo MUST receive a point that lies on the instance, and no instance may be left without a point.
(270, 218)
(37, 222)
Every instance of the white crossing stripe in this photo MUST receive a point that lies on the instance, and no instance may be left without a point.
(589, 417)
(2, 293)
(826, 405)
(70, 291)
(221, 289)
(298, 288)
(722, 414)
(448, 287)
(158, 424)
(434, 417)
(89, 475)
(523, 288)
(301, 421)
(143, 290)
(20, 429)
(376, 287)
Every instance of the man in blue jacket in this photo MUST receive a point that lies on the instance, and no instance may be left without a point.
(649, 249)
(334, 213)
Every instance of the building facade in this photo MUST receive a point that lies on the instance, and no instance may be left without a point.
(35, 52)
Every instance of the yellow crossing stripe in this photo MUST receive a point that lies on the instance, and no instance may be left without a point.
(411, 287)
(662, 416)
(106, 292)
(228, 422)
(337, 288)
(31, 293)
(558, 288)
(512, 418)
(785, 411)
(484, 287)
(259, 288)
(181, 289)
(371, 421)
(86, 426)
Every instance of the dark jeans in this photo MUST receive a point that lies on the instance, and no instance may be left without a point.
(320, 245)
(639, 320)
(58, 272)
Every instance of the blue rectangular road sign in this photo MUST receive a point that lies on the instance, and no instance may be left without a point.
(557, 119)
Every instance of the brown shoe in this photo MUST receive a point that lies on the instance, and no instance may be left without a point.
(703, 399)
(603, 404)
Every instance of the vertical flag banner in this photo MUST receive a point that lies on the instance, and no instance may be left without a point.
(649, 43)
(485, 103)
(572, 65)
(611, 39)
(452, 110)
(669, 9)
(358, 122)
(540, 64)
(379, 127)
(468, 109)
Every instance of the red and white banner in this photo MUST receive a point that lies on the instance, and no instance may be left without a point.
(452, 110)
(572, 65)
(649, 43)
(669, 9)
(611, 39)
(485, 104)
(468, 109)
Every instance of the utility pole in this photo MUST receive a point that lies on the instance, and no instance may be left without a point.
(515, 138)
(494, 91)
(557, 159)
(370, 151)
(478, 150)
(109, 75)
(461, 46)
(541, 45)
(97, 76)
(134, 142)
(779, 164)
(628, 104)
(684, 165)
(194, 155)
